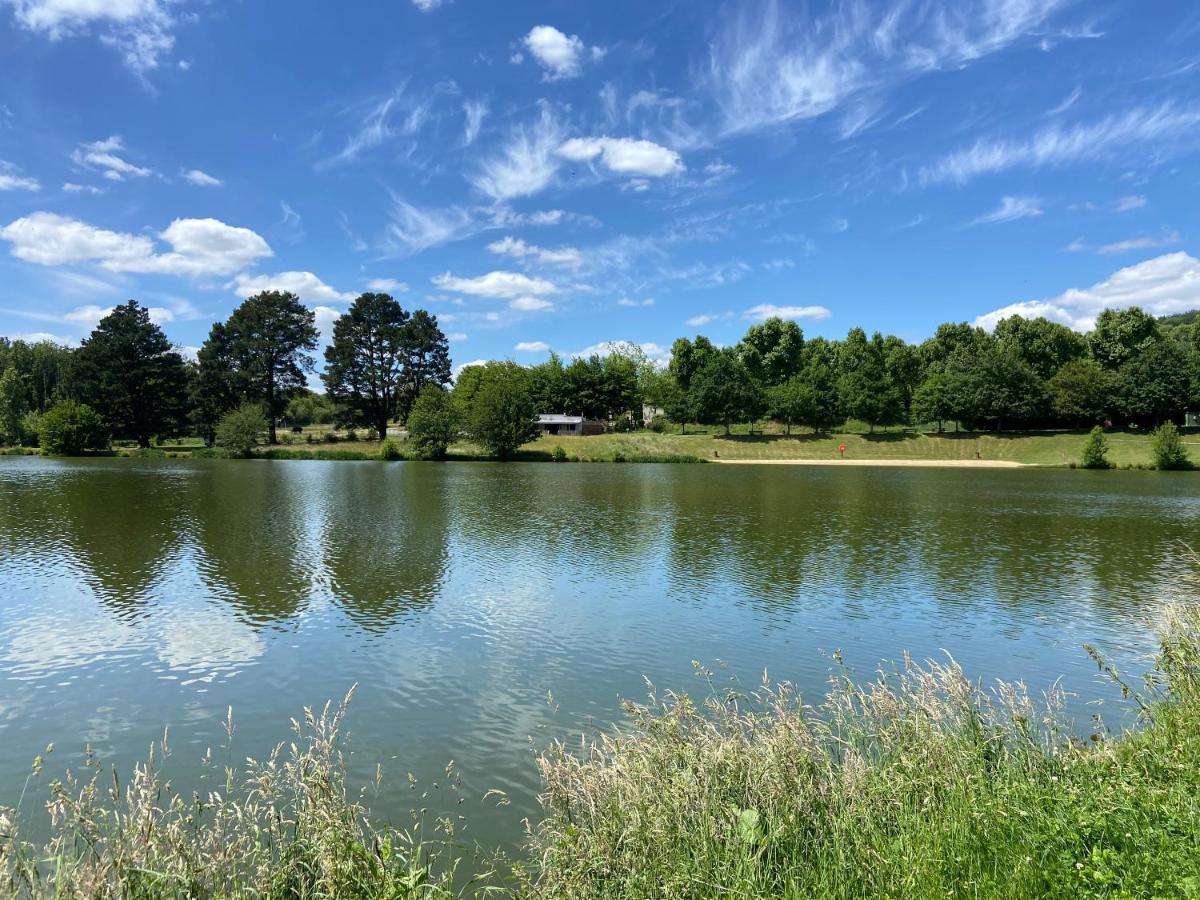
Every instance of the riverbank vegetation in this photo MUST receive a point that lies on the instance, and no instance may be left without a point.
(920, 783)
(1131, 372)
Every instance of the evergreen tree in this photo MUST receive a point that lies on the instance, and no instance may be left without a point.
(127, 371)
(364, 363)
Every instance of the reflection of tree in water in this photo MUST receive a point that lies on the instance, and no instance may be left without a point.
(385, 539)
(119, 523)
(554, 520)
(250, 522)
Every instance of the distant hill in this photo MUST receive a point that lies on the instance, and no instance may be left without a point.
(1186, 318)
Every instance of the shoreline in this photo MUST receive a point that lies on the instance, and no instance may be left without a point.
(895, 463)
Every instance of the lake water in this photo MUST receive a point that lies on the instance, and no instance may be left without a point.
(459, 596)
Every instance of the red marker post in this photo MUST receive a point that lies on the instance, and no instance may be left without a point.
(842, 450)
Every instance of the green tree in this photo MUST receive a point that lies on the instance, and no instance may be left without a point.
(433, 422)
(239, 429)
(69, 428)
(270, 340)
(426, 358)
(1155, 385)
(13, 406)
(793, 402)
(771, 351)
(936, 400)
(1095, 451)
(1166, 448)
(1043, 345)
(548, 385)
(364, 362)
(723, 392)
(501, 415)
(1082, 392)
(213, 385)
(904, 368)
(1120, 335)
(127, 371)
(819, 371)
(866, 391)
(310, 408)
(1000, 390)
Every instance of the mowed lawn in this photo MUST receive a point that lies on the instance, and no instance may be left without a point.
(1048, 448)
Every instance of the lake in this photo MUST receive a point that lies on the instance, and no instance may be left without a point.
(485, 608)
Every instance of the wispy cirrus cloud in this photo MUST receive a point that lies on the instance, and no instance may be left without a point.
(1058, 145)
(764, 311)
(103, 157)
(772, 64)
(526, 163)
(12, 180)
(1010, 210)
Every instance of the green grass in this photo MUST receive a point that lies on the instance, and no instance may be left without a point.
(916, 785)
(919, 784)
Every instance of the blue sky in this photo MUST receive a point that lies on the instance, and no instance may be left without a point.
(561, 174)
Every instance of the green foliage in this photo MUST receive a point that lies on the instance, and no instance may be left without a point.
(12, 407)
(31, 425)
(771, 351)
(389, 451)
(723, 392)
(268, 344)
(913, 786)
(1082, 392)
(558, 455)
(1095, 451)
(434, 422)
(500, 415)
(793, 402)
(310, 408)
(69, 429)
(1166, 448)
(1120, 335)
(1042, 345)
(936, 399)
(238, 430)
(364, 361)
(1156, 384)
(864, 387)
(128, 372)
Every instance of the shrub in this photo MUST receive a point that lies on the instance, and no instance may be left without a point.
(69, 428)
(332, 437)
(31, 424)
(659, 425)
(390, 450)
(1166, 448)
(239, 429)
(433, 422)
(559, 455)
(310, 439)
(1095, 451)
(351, 435)
(618, 456)
(502, 414)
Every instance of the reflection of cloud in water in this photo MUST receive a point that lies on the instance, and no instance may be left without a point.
(202, 645)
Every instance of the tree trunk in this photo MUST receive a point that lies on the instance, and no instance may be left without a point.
(381, 427)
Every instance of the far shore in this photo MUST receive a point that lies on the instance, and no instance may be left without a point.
(892, 463)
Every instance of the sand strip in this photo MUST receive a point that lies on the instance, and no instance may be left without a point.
(897, 463)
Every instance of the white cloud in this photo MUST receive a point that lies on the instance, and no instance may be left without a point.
(569, 257)
(527, 162)
(1127, 203)
(530, 304)
(1059, 145)
(198, 246)
(626, 301)
(1139, 243)
(201, 179)
(101, 156)
(390, 285)
(656, 353)
(775, 64)
(399, 114)
(413, 229)
(88, 316)
(72, 188)
(532, 347)
(625, 156)
(456, 337)
(140, 30)
(307, 286)
(764, 311)
(700, 320)
(474, 112)
(427, 5)
(1010, 210)
(495, 284)
(11, 181)
(560, 55)
(1161, 286)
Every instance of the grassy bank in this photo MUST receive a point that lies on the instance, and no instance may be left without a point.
(918, 784)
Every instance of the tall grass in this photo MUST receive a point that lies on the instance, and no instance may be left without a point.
(920, 784)
(283, 827)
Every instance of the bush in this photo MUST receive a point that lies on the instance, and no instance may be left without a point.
(502, 415)
(69, 428)
(618, 456)
(1095, 451)
(559, 455)
(433, 422)
(239, 429)
(352, 435)
(31, 424)
(389, 450)
(1166, 448)
(659, 425)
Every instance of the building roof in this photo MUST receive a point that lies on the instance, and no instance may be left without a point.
(553, 419)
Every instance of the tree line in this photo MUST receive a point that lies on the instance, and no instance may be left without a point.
(126, 381)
